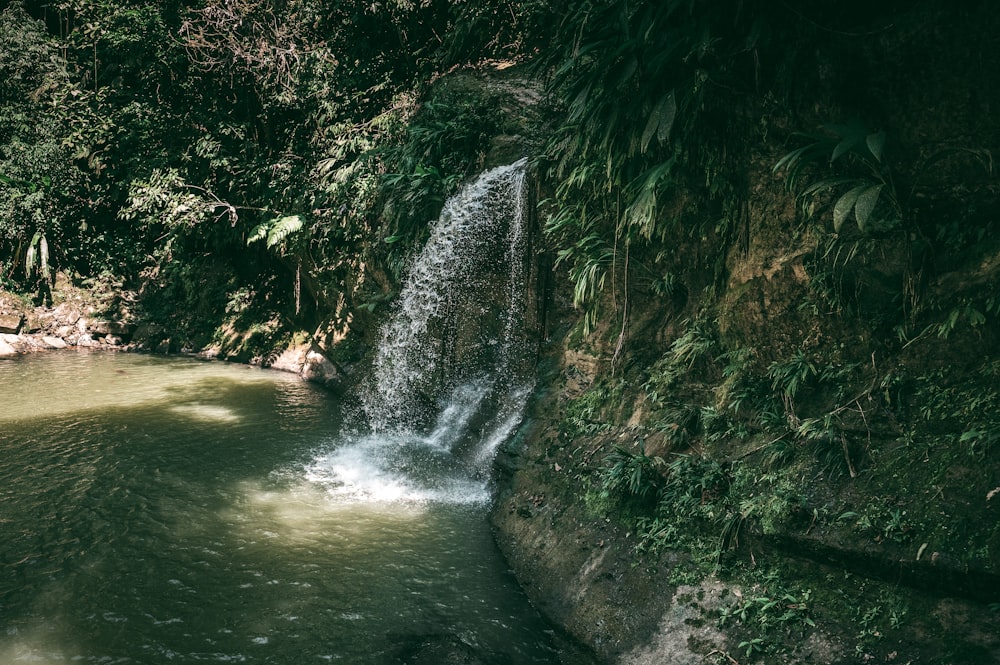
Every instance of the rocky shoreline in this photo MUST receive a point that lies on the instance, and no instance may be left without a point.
(63, 326)
(77, 325)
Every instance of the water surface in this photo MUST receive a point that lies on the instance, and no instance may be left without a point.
(159, 510)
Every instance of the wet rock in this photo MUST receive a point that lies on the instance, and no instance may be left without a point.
(54, 342)
(116, 328)
(85, 341)
(440, 650)
(309, 362)
(6, 350)
(319, 369)
(112, 340)
(11, 323)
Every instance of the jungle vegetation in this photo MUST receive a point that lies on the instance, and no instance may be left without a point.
(777, 222)
(283, 156)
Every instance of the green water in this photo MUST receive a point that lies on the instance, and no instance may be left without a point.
(160, 510)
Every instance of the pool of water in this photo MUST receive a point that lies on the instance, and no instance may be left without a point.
(157, 510)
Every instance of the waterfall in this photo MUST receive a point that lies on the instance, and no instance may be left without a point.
(451, 374)
(446, 328)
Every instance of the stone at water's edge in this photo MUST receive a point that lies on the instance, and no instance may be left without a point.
(6, 350)
(11, 323)
(309, 362)
(54, 342)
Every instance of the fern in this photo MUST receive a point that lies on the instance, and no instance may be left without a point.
(275, 231)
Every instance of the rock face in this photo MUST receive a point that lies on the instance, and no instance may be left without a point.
(11, 323)
(54, 342)
(309, 361)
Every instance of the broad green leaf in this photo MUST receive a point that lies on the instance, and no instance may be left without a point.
(660, 120)
(845, 146)
(668, 117)
(842, 209)
(876, 142)
(866, 204)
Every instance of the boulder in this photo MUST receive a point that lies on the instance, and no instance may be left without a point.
(319, 369)
(11, 323)
(33, 323)
(290, 360)
(65, 314)
(118, 328)
(54, 342)
(6, 350)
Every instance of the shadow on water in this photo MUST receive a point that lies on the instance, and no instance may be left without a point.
(186, 530)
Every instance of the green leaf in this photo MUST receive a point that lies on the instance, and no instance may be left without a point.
(866, 204)
(790, 159)
(669, 114)
(43, 255)
(844, 147)
(29, 260)
(259, 232)
(842, 209)
(876, 142)
(283, 228)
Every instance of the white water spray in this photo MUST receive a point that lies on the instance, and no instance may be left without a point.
(449, 381)
(417, 360)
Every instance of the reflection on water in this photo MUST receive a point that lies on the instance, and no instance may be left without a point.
(156, 510)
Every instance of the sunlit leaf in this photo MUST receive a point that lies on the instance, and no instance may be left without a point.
(866, 204)
(258, 233)
(842, 209)
(283, 228)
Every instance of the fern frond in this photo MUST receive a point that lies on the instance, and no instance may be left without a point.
(283, 228)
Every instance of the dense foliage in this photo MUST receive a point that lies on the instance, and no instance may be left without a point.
(230, 158)
(778, 219)
(294, 151)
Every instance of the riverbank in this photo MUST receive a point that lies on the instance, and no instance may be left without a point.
(78, 320)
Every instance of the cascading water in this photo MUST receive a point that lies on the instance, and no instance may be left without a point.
(451, 374)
